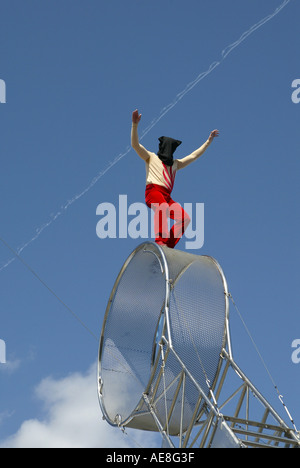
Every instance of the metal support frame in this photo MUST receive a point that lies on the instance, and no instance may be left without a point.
(249, 432)
(270, 431)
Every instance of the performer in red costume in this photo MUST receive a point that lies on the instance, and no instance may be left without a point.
(161, 170)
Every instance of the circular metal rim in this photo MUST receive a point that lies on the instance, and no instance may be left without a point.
(125, 265)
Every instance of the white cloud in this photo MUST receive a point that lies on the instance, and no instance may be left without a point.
(73, 419)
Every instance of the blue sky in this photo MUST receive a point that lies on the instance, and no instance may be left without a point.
(74, 72)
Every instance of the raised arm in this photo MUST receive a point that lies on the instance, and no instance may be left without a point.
(184, 162)
(141, 151)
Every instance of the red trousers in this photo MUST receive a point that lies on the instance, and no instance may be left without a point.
(159, 200)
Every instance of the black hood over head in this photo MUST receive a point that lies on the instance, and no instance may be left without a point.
(167, 147)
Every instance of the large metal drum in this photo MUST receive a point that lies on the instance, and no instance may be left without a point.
(162, 337)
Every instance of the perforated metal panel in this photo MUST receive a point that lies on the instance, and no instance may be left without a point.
(163, 332)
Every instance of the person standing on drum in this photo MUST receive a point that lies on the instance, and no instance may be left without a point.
(161, 170)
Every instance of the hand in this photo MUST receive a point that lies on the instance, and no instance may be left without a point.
(214, 134)
(136, 117)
